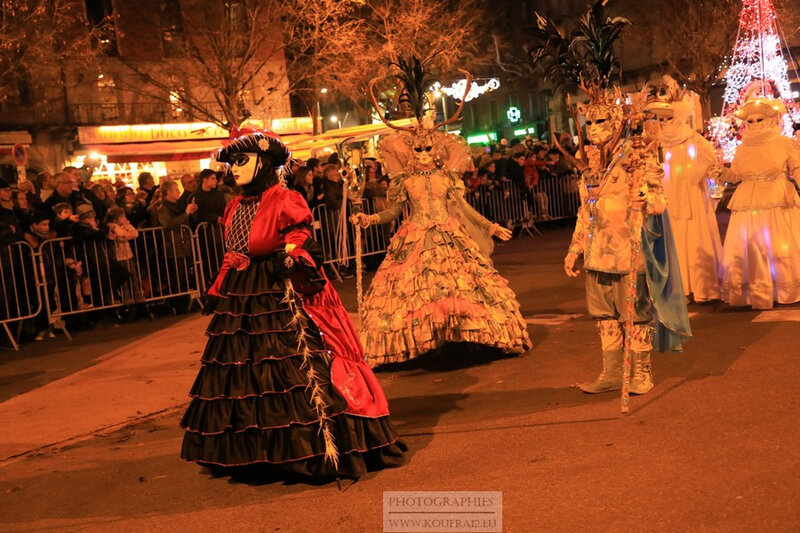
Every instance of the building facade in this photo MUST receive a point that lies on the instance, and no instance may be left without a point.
(146, 89)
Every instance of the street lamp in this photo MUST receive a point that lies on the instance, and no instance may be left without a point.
(324, 90)
(335, 119)
(437, 95)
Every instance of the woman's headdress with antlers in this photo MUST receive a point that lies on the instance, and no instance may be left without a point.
(416, 79)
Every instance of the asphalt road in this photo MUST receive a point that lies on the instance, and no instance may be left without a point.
(712, 447)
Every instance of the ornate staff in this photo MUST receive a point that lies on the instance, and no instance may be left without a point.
(636, 220)
(353, 177)
(635, 166)
(355, 182)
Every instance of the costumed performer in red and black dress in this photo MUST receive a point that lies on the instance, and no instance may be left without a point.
(283, 381)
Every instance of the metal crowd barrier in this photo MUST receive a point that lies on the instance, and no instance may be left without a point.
(83, 276)
(19, 287)
(210, 251)
(66, 277)
(508, 204)
(504, 204)
(328, 234)
(557, 197)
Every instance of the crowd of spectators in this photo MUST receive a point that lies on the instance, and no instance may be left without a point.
(106, 224)
(59, 198)
(537, 169)
(101, 222)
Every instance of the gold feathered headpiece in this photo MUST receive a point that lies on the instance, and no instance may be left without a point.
(669, 99)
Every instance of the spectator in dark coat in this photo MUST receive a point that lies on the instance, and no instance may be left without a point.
(64, 193)
(64, 220)
(100, 201)
(24, 208)
(170, 214)
(189, 184)
(147, 184)
(133, 207)
(514, 169)
(332, 188)
(304, 184)
(91, 244)
(11, 229)
(516, 174)
(375, 189)
(80, 186)
(209, 199)
(64, 269)
(39, 232)
(177, 240)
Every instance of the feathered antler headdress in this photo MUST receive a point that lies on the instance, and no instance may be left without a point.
(416, 79)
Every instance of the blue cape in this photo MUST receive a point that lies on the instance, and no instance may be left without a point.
(665, 284)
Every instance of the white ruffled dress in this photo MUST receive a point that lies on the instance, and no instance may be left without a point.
(762, 245)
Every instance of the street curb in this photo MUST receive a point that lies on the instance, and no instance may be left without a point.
(96, 432)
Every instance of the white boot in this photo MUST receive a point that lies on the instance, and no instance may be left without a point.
(611, 376)
(642, 380)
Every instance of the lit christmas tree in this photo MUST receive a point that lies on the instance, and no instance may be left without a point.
(757, 65)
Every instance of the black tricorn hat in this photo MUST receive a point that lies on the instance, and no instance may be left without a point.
(255, 142)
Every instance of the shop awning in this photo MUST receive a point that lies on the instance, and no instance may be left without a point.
(9, 138)
(300, 145)
(156, 151)
(304, 147)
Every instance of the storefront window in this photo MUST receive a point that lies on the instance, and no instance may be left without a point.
(99, 13)
(172, 35)
(126, 172)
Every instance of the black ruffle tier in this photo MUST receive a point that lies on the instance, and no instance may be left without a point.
(251, 403)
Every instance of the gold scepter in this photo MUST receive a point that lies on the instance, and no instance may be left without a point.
(354, 181)
(635, 165)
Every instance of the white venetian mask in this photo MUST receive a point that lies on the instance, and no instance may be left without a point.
(602, 123)
(244, 167)
(756, 123)
(423, 152)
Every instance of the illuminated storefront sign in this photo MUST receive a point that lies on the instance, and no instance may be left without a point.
(482, 138)
(142, 133)
(514, 114)
(524, 131)
(292, 125)
(191, 131)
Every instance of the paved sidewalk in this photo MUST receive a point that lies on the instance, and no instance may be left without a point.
(148, 376)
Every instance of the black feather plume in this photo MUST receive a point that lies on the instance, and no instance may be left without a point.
(416, 78)
(587, 52)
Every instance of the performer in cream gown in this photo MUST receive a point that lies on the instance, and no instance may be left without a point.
(762, 246)
(437, 284)
(689, 159)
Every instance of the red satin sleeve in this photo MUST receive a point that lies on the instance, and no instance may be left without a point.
(294, 223)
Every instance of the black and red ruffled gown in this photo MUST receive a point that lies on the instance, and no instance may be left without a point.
(283, 379)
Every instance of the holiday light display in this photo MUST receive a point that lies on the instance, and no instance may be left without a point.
(757, 65)
(456, 90)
